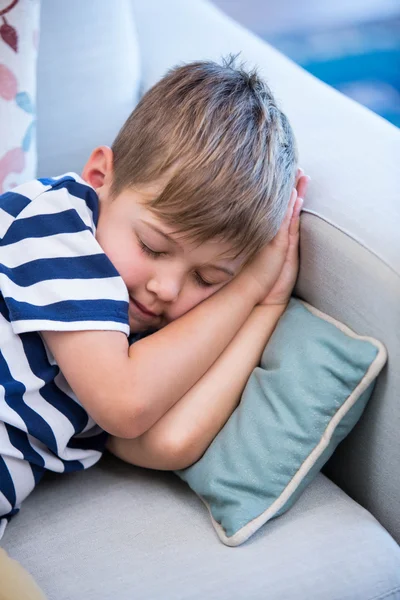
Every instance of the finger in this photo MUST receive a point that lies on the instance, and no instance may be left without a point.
(289, 212)
(302, 185)
(295, 221)
(292, 254)
(284, 228)
(288, 216)
(292, 201)
(299, 173)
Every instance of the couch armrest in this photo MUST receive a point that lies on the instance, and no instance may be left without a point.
(350, 249)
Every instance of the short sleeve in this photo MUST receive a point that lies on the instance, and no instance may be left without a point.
(53, 273)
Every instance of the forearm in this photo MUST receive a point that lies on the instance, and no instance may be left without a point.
(174, 358)
(183, 434)
(197, 418)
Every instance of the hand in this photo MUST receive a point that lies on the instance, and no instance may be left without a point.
(281, 291)
(263, 270)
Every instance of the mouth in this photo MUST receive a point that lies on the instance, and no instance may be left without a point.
(143, 310)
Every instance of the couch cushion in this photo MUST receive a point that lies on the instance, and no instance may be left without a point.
(88, 79)
(313, 383)
(118, 531)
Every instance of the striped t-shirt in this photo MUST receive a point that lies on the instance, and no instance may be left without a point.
(53, 276)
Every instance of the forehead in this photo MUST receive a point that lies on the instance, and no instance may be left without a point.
(204, 251)
(215, 249)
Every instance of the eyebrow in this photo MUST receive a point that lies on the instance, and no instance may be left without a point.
(161, 232)
(171, 239)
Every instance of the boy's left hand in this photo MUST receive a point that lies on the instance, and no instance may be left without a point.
(280, 293)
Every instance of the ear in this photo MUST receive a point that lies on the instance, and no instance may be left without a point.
(98, 171)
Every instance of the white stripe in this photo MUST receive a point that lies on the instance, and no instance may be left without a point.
(85, 456)
(31, 189)
(5, 221)
(5, 508)
(79, 179)
(22, 476)
(91, 425)
(58, 200)
(51, 462)
(39, 325)
(6, 447)
(7, 414)
(17, 362)
(60, 290)
(63, 245)
(60, 425)
(3, 522)
(10, 416)
(91, 458)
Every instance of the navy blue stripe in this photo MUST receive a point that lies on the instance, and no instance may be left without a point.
(70, 310)
(84, 192)
(38, 226)
(94, 442)
(3, 308)
(70, 466)
(36, 355)
(10, 514)
(52, 181)
(6, 483)
(13, 203)
(19, 439)
(13, 396)
(38, 472)
(94, 266)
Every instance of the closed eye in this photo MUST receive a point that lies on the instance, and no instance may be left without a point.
(146, 250)
(202, 282)
(154, 254)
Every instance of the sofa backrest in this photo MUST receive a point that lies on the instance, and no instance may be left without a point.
(350, 241)
(88, 79)
(350, 244)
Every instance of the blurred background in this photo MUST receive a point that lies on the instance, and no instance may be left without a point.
(353, 45)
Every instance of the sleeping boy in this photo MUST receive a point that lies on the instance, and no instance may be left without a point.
(182, 238)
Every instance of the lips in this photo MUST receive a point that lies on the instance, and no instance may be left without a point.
(144, 309)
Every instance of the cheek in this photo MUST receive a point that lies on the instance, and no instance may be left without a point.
(128, 260)
(189, 299)
(134, 268)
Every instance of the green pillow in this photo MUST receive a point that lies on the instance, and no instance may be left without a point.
(315, 379)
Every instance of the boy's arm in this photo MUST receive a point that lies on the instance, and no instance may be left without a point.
(183, 434)
(127, 390)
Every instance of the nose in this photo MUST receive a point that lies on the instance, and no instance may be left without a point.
(167, 287)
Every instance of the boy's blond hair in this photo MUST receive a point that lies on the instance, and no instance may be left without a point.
(229, 153)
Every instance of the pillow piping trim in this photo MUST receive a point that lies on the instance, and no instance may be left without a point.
(243, 534)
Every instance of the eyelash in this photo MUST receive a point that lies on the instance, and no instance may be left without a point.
(149, 251)
(200, 281)
(146, 250)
